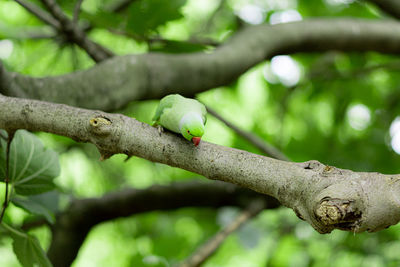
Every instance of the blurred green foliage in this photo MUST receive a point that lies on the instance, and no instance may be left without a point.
(309, 120)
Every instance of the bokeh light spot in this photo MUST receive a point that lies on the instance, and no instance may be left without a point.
(395, 135)
(286, 69)
(339, 2)
(285, 16)
(6, 48)
(252, 14)
(359, 117)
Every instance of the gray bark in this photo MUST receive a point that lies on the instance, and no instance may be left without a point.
(119, 80)
(326, 197)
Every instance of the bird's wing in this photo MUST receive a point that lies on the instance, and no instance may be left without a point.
(203, 113)
(165, 103)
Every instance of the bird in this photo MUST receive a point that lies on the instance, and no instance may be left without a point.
(182, 115)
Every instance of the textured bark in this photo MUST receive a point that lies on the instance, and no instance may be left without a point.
(74, 224)
(117, 81)
(326, 197)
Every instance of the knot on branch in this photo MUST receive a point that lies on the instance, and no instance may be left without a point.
(100, 125)
(312, 164)
(337, 213)
(330, 170)
(324, 170)
(106, 133)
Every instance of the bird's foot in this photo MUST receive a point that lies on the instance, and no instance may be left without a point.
(160, 129)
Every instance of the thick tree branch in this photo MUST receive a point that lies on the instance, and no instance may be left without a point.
(326, 197)
(116, 82)
(73, 225)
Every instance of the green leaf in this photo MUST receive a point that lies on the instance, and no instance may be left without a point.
(146, 15)
(32, 167)
(103, 19)
(27, 249)
(44, 204)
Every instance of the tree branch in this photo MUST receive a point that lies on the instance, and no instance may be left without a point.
(77, 10)
(121, 6)
(254, 139)
(39, 13)
(73, 224)
(211, 20)
(63, 24)
(34, 223)
(95, 51)
(210, 247)
(392, 7)
(326, 197)
(118, 81)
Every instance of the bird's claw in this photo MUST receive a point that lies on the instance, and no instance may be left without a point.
(160, 129)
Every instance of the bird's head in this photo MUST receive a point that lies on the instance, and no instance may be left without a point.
(192, 128)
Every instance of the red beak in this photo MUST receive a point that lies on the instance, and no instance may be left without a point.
(196, 141)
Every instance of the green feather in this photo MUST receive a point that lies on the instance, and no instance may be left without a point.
(181, 115)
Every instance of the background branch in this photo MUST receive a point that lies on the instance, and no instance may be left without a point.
(76, 221)
(121, 5)
(71, 30)
(120, 80)
(77, 10)
(34, 223)
(391, 7)
(211, 246)
(39, 13)
(254, 139)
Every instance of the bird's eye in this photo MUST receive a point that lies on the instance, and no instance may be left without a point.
(188, 131)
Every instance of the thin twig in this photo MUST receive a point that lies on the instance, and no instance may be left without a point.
(121, 6)
(39, 13)
(210, 21)
(77, 10)
(209, 248)
(255, 140)
(76, 35)
(7, 174)
(35, 223)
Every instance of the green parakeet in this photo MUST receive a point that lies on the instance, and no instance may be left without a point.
(182, 115)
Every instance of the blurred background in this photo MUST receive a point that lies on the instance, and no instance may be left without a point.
(338, 108)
